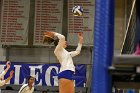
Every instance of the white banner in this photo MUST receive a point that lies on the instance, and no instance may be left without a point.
(14, 22)
(83, 23)
(48, 16)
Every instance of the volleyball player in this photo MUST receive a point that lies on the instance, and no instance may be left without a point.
(3, 82)
(67, 69)
(28, 88)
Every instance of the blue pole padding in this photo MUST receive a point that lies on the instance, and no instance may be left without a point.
(103, 46)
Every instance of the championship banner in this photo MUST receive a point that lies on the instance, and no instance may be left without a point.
(14, 22)
(45, 74)
(84, 23)
(48, 17)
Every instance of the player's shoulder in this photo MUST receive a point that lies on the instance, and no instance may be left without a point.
(25, 85)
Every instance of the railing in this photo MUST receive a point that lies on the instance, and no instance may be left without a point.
(129, 39)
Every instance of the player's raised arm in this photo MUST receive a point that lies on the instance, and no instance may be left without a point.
(8, 64)
(78, 49)
(61, 42)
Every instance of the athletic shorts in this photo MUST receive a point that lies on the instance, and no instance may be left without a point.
(67, 74)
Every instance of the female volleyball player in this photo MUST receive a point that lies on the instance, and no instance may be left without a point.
(28, 88)
(3, 82)
(66, 84)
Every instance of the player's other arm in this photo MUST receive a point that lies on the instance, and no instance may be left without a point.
(3, 82)
(61, 41)
(11, 75)
(78, 49)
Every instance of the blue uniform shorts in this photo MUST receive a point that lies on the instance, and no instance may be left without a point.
(67, 74)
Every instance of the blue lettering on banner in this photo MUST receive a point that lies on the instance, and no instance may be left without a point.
(45, 74)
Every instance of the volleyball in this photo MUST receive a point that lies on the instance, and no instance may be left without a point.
(77, 11)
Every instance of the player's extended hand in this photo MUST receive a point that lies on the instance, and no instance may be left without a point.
(48, 37)
(11, 73)
(8, 64)
(49, 34)
(80, 36)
